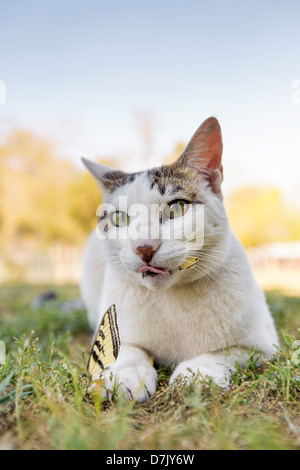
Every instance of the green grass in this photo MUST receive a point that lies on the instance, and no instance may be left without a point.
(44, 403)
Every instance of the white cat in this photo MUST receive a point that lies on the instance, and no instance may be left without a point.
(203, 320)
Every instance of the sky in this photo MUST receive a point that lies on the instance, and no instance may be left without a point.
(82, 73)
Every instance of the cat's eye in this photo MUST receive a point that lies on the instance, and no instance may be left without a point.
(176, 208)
(120, 219)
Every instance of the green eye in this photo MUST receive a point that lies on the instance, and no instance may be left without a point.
(176, 208)
(120, 219)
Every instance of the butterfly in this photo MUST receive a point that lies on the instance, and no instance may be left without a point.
(106, 346)
(189, 263)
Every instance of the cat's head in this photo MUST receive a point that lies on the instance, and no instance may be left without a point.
(153, 221)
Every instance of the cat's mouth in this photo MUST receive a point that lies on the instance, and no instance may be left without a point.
(152, 271)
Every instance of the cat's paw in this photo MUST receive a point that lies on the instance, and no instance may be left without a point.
(136, 382)
(201, 368)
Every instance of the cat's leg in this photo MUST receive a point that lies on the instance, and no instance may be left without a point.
(218, 365)
(132, 374)
(92, 279)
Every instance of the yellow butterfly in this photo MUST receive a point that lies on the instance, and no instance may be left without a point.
(105, 347)
(189, 263)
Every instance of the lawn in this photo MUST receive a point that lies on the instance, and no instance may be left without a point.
(44, 402)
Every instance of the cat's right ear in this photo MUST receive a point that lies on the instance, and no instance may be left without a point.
(107, 178)
(204, 153)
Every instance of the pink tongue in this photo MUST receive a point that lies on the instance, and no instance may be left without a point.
(152, 270)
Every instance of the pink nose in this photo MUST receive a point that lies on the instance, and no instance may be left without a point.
(146, 249)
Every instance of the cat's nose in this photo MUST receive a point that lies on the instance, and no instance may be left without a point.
(146, 250)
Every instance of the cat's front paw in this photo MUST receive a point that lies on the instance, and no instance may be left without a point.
(202, 368)
(136, 382)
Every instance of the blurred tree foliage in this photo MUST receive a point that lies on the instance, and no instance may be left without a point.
(42, 197)
(177, 151)
(260, 215)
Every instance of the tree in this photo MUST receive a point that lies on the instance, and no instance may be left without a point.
(177, 151)
(260, 215)
(42, 196)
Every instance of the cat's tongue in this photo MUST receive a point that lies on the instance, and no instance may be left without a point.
(151, 269)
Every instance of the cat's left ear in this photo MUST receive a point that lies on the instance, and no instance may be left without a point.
(107, 178)
(204, 153)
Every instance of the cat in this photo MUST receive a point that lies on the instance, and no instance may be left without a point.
(203, 320)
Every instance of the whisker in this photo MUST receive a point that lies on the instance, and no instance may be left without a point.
(216, 260)
(211, 277)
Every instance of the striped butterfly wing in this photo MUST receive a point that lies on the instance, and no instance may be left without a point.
(189, 263)
(106, 345)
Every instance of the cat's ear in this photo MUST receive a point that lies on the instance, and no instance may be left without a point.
(107, 178)
(204, 153)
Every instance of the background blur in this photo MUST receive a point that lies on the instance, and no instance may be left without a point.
(128, 83)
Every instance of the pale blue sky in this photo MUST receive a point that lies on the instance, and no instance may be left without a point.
(79, 71)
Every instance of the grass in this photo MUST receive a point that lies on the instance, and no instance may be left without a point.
(44, 402)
